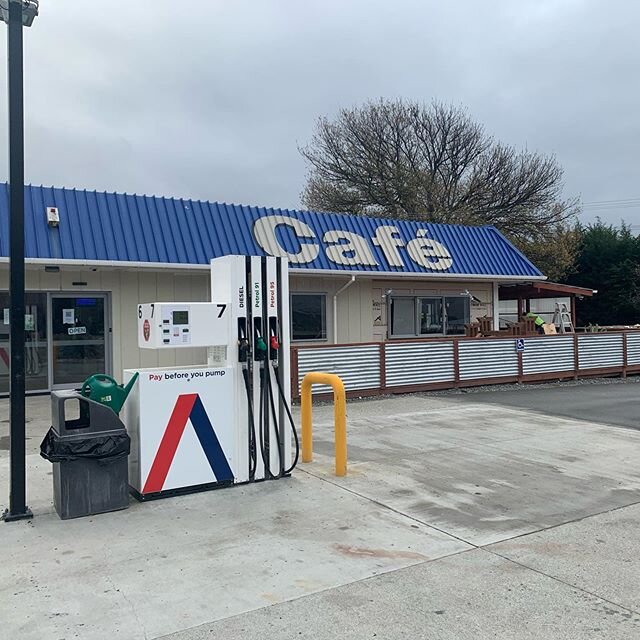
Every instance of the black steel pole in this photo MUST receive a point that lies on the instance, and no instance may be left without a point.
(18, 509)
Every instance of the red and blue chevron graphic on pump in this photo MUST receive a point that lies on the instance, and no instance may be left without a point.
(188, 407)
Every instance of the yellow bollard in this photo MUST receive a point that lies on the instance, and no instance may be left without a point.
(339, 413)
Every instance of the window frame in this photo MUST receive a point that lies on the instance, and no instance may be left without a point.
(322, 294)
(416, 316)
(467, 319)
(390, 317)
(443, 316)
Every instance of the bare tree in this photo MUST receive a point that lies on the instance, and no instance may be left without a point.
(431, 163)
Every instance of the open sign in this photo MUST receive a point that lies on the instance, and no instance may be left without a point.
(76, 331)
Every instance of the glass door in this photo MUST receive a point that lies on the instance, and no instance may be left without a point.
(78, 343)
(430, 316)
(36, 350)
(457, 314)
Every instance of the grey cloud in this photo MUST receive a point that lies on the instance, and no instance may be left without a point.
(210, 99)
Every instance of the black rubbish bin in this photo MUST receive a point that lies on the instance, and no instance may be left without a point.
(89, 454)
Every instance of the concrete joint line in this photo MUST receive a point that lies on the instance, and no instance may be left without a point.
(452, 535)
(560, 524)
(565, 420)
(564, 582)
(396, 511)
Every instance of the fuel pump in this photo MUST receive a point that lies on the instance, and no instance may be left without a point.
(228, 422)
(259, 288)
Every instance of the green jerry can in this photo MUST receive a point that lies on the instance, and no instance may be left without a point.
(105, 390)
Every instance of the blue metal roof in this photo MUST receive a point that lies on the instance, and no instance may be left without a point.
(114, 227)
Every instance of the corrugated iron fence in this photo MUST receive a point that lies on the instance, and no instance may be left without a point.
(441, 363)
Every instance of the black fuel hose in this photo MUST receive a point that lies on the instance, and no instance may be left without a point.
(275, 424)
(253, 461)
(267, 463)
(261, 424)
(293, 426)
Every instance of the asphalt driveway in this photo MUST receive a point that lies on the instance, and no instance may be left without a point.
(613, 401)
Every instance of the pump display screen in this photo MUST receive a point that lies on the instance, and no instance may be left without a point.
(180, 317)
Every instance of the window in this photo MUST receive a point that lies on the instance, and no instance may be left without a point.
(403, 317)
(458, 314)
(35, 348)
(430, 316)
(442, 315)
(308, 316)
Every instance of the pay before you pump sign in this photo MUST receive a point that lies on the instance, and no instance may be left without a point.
(186, 376)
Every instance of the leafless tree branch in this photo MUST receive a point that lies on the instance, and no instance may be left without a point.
(432, 163)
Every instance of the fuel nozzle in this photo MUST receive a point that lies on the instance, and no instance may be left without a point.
(243, 350)
(274, 344)
(243, 342)
(260, 346)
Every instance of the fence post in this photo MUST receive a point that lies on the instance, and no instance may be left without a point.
(456, 362)
(295, 386)
(624, 354)
(576, 357)
(383, 366)
(520, 367)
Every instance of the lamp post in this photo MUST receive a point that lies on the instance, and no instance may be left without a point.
(16, 13)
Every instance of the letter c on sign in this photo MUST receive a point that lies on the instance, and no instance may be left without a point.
(264, 231)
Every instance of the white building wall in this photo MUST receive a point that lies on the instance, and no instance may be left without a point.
(127, 289)
(353, 305)
(362, 307)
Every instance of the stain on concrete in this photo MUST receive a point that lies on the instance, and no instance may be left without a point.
(403, 492)
(4, 443)
(308, 585)
(363, 552)
(271, 597)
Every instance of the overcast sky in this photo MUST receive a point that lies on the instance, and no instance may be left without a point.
(210, 98)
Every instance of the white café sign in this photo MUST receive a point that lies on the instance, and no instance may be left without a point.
(349, 248)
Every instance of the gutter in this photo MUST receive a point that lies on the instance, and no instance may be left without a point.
(335, 307)
(81, 263)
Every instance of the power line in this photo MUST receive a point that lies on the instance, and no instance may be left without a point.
(608, 205)
(612, 208)
(634, 199)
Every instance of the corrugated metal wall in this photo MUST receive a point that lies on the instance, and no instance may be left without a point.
(410, 364)
(548, 354)
(487, 359)
(633, 349)
(432, 362)
(600, 350)
(358, 366)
